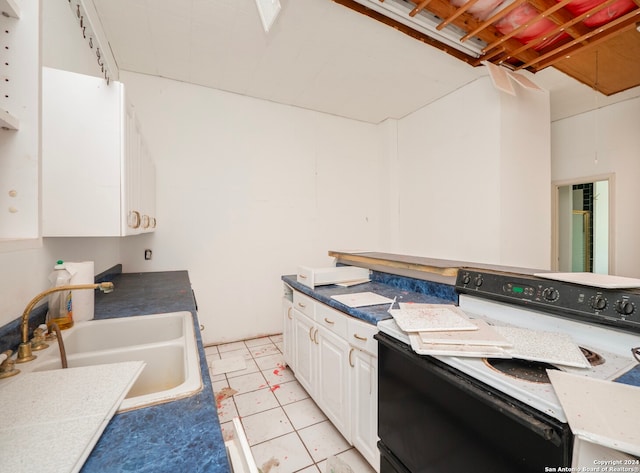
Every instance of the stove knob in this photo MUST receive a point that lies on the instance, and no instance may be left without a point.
(466, 279)
(550, 294)
(478, 282)
(598, 302)
(625, 307)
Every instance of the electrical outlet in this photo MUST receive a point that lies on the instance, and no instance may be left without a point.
(147, 254)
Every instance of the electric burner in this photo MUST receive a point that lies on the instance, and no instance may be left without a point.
(592, 357)
(535, 371)
(526, 370)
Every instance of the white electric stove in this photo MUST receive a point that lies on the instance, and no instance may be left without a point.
(604, 323)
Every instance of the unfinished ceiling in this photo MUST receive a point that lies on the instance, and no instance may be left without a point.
(318, 55)
(594, 41)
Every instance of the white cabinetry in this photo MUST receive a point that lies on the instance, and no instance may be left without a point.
(98, 178)
(10, 13)
(332, 389)
(287, 332)
(363, 359)
(305, 351)
(19, 124)
(335, 360)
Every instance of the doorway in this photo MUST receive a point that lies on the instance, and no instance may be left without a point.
(582, 225)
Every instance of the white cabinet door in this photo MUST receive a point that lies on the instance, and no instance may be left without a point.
(148, 190)
(288, 333)
(97, 177)
(364, 405)
(332, 390)
(81, 168)
(305, 351)
(130, 159)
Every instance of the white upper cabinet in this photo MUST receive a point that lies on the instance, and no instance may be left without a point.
(98, 178)
(19, 124)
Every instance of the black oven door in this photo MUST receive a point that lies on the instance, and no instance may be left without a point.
(435, 419)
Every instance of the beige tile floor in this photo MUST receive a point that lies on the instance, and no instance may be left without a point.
(286, 430)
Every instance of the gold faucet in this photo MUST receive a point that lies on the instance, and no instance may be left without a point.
(24, 349)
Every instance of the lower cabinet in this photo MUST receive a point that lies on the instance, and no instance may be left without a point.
(333, 386)
(335, 359)
(287, 332)
(364, 405)
(305, 351)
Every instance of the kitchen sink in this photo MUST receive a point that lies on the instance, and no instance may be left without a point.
(165, 342)
(124, 332)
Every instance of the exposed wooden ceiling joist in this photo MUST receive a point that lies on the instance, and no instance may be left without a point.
(548, 49)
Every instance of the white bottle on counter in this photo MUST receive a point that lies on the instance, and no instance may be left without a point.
(60, 304)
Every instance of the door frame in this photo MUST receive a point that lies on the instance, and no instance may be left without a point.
(555, 216)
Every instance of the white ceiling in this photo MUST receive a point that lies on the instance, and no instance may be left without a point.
(318, 55)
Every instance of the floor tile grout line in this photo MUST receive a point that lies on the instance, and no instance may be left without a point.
(297, 430)
(291, 423)
(281, 406)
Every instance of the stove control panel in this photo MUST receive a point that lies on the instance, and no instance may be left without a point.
(615, 307)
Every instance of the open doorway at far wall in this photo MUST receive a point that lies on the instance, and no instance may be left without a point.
(582, 225)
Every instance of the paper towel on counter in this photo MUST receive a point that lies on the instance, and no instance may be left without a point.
(82, 273)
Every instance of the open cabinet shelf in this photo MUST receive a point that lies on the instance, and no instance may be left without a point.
(9, 8)
(20, 115)
(8, 121)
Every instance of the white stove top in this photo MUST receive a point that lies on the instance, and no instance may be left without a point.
(613, 345)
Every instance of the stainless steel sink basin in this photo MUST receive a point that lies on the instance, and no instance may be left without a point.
(165, 342)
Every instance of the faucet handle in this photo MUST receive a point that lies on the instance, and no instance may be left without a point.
(38, 340)
(7, 365)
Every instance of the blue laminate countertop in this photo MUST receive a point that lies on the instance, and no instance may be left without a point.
(402, 288)
(182, 435)
(631, 377)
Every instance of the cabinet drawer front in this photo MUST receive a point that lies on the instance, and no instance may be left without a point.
(360, 335)
(304, 304)
(331, 319)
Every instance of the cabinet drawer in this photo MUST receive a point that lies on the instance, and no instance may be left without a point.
(304, 304)
(360, 335)
(332, 319)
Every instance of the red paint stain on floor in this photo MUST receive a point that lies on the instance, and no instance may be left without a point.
(279, 369)
(223, 394)
(274, 387)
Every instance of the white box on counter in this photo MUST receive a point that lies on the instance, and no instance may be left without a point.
(312, 277)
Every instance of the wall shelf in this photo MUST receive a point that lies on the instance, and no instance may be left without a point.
(20, 110)
(8, 121)
(9, 8)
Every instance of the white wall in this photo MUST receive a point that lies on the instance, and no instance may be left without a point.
(525, 180)
(250, 189)
(601, 227)
(598, 143)
(63, 46)
(473, 174)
